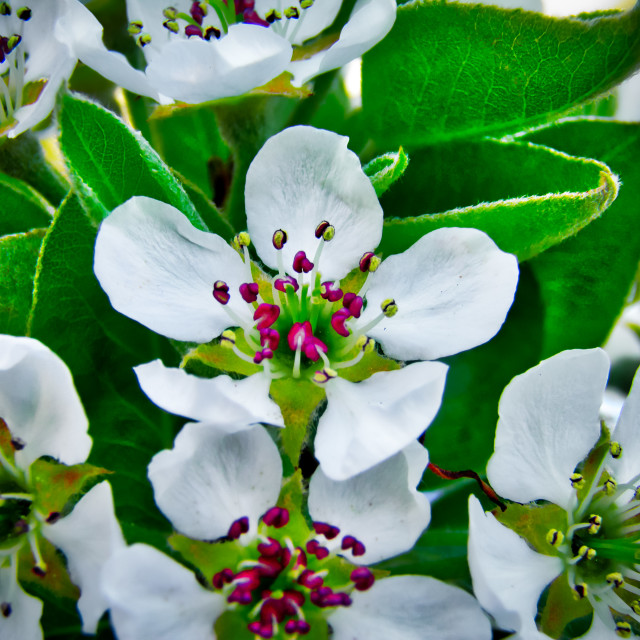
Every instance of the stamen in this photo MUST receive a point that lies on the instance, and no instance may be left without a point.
(326, 530)
(249, 291)
(221, 292)
(279, 239)
(272, 16)
(171, 25)
(596, 523)
(221, 578)
(369, 262)
(171, 13)
(326, 231)
(5, 607)
(615, 579)
(276, 517)
(623, 629)
(554, 537)
(5, 9)
(615, 449)
(301, 263)
(212, 32)
(580, 590)
(266, 314)
(577, 481)
(389, 307)
(292, 13)
(362, 578)
(192, 30)
(144, 40)
(315, 548)
(135, 28)
(269, 338)
(238, 527)
(24, 13)
(330, 292)
(338, 320)
(40, 567)
(354, 303)
(281, 284)
(357, 548)
(240, 241)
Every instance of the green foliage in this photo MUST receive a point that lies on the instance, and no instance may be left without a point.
(33, 211)
(384, 170)
(453, 70)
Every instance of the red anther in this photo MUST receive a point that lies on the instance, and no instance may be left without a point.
(221, 292)
(326, 530)
(280, 235)
(338, 319)
(265, 354)
(266, 315)
(329, 292)
(298, 334)
(310, 580)
(357, 548)
(354, 303)
(318, 596)
(192, 30)
(291, 595)
(321, 228)
(362, 578)
(285, 557)
(221, 578)
(312, 346)
(269, 549)
(302, 263)
(281, 284)
(270, 338)
(336, 600)
(276, 517)
(238, 527)
(291, 626)
(314, 547)
(272, 608)
(301, 558)
(247, 580)
(303, 627)
(365, 261)
(269, 567)
(196, 12)
(249, 291)
(260, 629)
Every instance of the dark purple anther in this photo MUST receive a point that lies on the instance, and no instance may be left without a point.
(312, 347)
(315, 548)
(279, 239)
(260, 629)
(265, 354)
(301, 263)
(266, 315)
(281, 284)
(365, 261)
(269, 567)
(326, 530)
(269, 338)
(238, 527)
(196, 13)
(336, 600)
(240, 595)
(338, 319)
(221, 578)
(192, 30)
(212, 32)
(362, 578)
(276, 517)
(221, 291)
(5, 609)
(247, 580)
(321, 228)
(354, 303)
(310, 580)
(53, 517)
(18, 444)
(329, 292)
(357, 548)
(269, 549)
(249, 291)
(38, 571)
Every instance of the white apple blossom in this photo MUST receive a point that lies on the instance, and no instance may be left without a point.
(201, 51)
(307, 195)
(549, 425)
(273, 573)
(41, 415)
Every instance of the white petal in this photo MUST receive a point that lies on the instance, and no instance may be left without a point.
(380, 507)
(508, 576)
(23, 623)
(159, 270)
(219, 400)
(549, 421)
(197, 70)
(214, 476)
(453, 289)
(411, 608)
(83, 32)
(627, 433)
(301, 177)
(370, 21)
(369, 421)
(88, 536)
(152, 597)
(40, 404)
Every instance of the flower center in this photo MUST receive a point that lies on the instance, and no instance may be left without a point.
(301, 326)
(290, 583)
(601, 547)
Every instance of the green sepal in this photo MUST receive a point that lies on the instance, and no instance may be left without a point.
(207, 360)
(561, 607)
(56, 485)
(292, 498)
(370, 363)
(384, 170)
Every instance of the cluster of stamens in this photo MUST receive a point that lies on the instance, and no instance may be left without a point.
(15, 56)
(285, 587)
(298, 322)
(601, 546)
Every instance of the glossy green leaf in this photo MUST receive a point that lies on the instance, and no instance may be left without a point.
(23, 208)
(584, 282)
(18, 258)
(451, 70)
(526, 197)
(384, 170)
(72, 315)
(114, 161)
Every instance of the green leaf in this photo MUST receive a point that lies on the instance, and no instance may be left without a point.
(384, 170)
(292, 498)
(562, 607)
(23, 208)
(526, 197)
(18, 257)
(72, 315)
(115, 162)
(584, 282)
(452, 70)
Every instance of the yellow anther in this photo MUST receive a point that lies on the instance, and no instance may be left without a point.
(135, 28)
(586, 552)
(243, 239)
(374, 264)
(555, 538)
(144, 40)
(389, 307)
(170, 13)
(369, 346)
(305, 4)
(615, 579)
(292, 12)
(5, 9)
(171, 25)
(580, 590)
(623, 629)
(323, 376)
(24, 13)
(577, 480)
(596, 523)
(635, 605)
(609, 486)
(272, 16)
(204, 6)
(279, 239)
(228, 339)
(615, 449)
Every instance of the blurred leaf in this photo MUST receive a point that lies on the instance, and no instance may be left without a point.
(452, 70)
(526, 197)
(23, 208)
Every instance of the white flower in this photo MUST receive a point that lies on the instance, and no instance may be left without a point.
(201, 51)
(41, 415)
(272, 573)
(308, 198)
(33, 63)
(549, 425)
